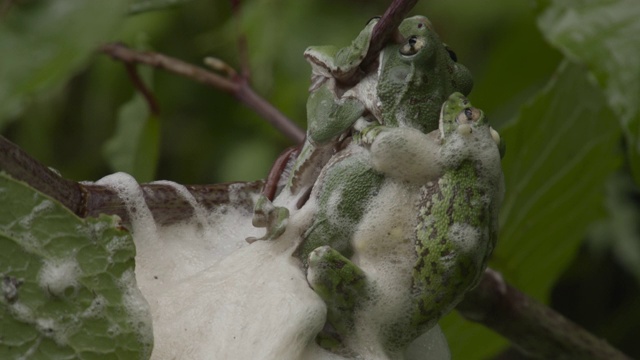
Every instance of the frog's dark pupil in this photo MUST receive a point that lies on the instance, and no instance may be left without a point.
(468, 113)
(452, 55)
(413, 40)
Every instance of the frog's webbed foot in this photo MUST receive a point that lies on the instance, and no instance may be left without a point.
(273, 218)
(343, 286)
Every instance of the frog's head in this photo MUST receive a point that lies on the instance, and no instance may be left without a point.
(423, 47)
(416, 75)
(459, 119)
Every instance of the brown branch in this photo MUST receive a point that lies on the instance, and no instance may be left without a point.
(166, 205)
(383, 32)
(17, 163)
(137, 81)
(239, 89)
(533, 328)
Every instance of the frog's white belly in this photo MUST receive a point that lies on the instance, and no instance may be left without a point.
(384, 247)
(387, 227)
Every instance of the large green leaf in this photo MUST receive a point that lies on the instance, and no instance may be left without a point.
(560, 152)
(603, 34)
(68, 284)
(44, 42)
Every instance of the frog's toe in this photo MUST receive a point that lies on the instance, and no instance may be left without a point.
(273, 218)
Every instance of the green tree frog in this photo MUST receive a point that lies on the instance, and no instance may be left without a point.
(406, 88)
(422, 239)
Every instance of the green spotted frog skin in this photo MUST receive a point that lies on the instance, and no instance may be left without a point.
(417, 76)
(422, 241)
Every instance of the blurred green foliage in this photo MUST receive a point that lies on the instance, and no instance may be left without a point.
(560, 80)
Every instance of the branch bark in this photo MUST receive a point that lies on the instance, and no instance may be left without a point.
(383, 32)
(533, 328)
(239, 89)
(87, 199)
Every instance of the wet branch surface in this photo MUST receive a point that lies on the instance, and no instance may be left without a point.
(535, 329)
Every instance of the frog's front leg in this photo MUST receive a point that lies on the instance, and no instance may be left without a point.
(329, 116)
(343, 286)
(402, 152)
(273, 218)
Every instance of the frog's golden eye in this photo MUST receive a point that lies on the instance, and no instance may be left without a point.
(413, 45)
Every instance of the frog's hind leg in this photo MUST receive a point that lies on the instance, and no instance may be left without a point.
(343, 286)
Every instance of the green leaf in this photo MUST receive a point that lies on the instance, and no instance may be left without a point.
(44, 42)
(134, 148)
(560, 152)
(468, 340)
(603, 34)
(68, 284)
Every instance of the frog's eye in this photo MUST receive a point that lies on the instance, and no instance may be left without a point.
(452, 54)
(472, 114)
(468, 113)
(413, 45)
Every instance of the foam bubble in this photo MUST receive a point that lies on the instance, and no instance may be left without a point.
(465, 237)
(136, 307)
(59, 278)
(130, 192)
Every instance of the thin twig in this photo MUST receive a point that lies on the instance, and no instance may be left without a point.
(241, 90)
(137, 81)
